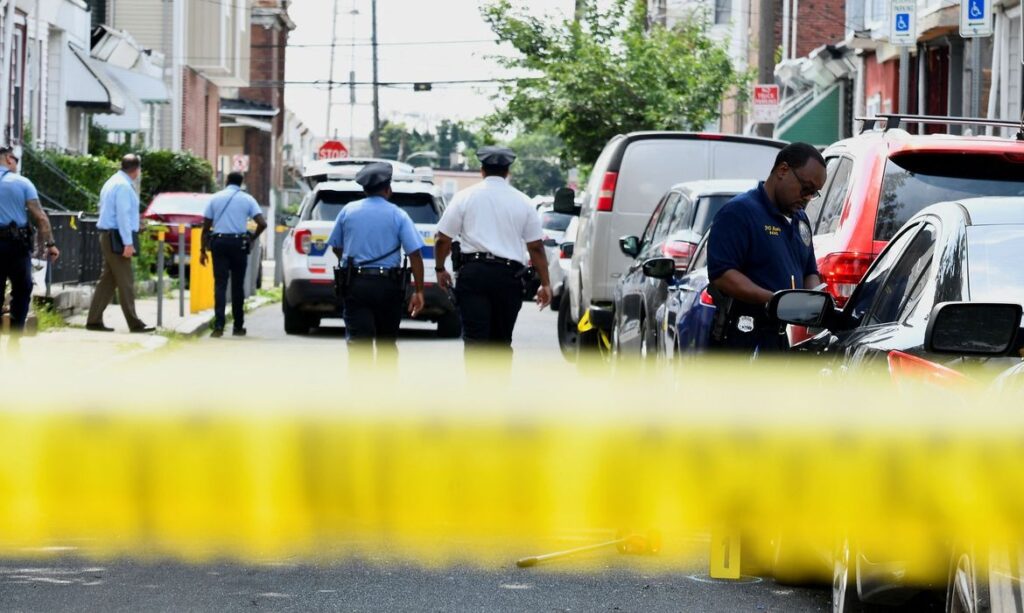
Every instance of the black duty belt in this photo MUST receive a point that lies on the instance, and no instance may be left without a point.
(222, 235)
(490, 257)
(11, 232)
(377, 271)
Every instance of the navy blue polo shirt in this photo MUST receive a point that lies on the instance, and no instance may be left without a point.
(749, 234)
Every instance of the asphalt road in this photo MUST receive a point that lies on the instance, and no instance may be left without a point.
(61, 579)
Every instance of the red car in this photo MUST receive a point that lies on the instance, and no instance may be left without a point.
(173, 208)
(877, 180)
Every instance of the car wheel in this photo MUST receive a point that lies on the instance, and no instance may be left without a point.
(845, 598)
(294, 321)
(568, 335)
(967, 590)
(449, 326)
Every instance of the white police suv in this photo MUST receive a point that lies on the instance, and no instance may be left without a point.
(308, 263)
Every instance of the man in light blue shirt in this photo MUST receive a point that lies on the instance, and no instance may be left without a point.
(369, 236)
(225, 233)
(119, 229)
(19, 202)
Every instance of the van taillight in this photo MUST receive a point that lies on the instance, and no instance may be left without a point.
(706, 299)
(607, 193)
(303, 240)
(842, 271)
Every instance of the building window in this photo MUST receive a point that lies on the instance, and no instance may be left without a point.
(723, 11)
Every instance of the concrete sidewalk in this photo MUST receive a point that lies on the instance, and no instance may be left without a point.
(187, 325)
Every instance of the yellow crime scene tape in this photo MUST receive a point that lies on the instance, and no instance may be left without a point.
(299, 456)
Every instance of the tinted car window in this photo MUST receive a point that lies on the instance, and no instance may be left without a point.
(917, 180)
(866, 290)
(555, 221)
(994, 268)
(832, 208)
(681, 216)
(700, 257)
(421, 207)
(813, 209)
(707, 208)
(908, 274)
(653, 222)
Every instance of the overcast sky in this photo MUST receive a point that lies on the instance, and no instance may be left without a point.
(420, 40)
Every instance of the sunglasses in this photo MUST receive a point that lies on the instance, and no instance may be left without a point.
(806, 188)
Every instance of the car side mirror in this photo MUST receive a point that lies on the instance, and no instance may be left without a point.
(567, 249)
(973, 328)
(550, 242)
(802, 307)
(660, 268)
(565, 201)
(630, 245)
(291, 221)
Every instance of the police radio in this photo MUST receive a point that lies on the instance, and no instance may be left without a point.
(343, 278)
(456, 256)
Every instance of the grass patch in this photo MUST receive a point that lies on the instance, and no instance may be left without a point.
(273, 294)
(47, 318)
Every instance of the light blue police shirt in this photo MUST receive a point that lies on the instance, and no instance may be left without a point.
(230, 210)
(15, 191)
(368, 229)
(119, 207)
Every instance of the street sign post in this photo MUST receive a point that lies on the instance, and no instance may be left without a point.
(975, 18)
(332, 150)
(904, 23)
(765, 104)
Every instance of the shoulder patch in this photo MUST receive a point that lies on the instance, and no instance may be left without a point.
(805, 232)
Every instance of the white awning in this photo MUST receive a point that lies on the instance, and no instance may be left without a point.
(128, 121)
(141, 86)
(89, 86)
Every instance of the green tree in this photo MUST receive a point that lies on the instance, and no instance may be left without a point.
(610, 73)
(537, 170)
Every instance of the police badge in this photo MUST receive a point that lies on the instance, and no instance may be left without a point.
(805, 232)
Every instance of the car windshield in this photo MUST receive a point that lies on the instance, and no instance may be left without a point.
(914, 181)
(555, 221)
(420, 207)
(180, 205)
(707, 208)
(993, 255)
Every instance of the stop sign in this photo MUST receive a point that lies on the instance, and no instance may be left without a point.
(332, 150)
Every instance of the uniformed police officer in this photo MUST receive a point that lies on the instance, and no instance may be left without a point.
(226, 234)
(369, 236)
(18, 202)
(119, 226)
(760, 243)
(492, 220)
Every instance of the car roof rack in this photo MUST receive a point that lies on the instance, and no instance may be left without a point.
(893, 121)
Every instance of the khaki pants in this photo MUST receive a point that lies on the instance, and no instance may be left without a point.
(117, 273)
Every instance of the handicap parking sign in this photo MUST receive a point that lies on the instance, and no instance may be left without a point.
(904, 22)
(975, 18)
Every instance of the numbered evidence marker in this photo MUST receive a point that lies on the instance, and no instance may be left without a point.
(975, 18)
(725, 554)
(903, 25)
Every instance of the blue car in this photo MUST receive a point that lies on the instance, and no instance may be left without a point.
(684, 320)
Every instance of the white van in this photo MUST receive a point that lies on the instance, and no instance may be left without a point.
(630, 176)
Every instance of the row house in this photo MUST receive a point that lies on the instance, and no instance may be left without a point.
(204, 48)
(801, 26)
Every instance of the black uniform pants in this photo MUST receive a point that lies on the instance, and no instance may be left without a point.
(489, 297)
(373, 311)
(16, 266)
(229, 261)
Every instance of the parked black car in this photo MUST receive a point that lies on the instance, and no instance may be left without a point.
(673, 231)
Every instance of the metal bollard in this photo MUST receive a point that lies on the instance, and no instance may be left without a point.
(160, 279)
(181, 270)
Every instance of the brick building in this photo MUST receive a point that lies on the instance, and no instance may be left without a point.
(252, 122)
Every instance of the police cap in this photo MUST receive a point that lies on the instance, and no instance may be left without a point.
(374, 175)
(495, 156)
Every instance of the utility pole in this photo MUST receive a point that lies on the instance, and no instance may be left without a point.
(330, 76)
(375, 137)
(766, 54)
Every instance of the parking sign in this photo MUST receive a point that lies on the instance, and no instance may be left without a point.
(903, 24)
(975, 18)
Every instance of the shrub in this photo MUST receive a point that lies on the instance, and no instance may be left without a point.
(174, 171)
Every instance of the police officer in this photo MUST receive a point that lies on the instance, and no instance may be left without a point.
(492, 220)
(18, 202)
(225, 233)
(760, 243)
(119, 227)
(368, 238)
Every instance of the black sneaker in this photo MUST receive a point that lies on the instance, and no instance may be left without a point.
(217, 333)
(98, 328)
(238, 332)
(143, 330)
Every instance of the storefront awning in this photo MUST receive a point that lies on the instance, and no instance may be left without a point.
(815, 121)
(89, 86)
